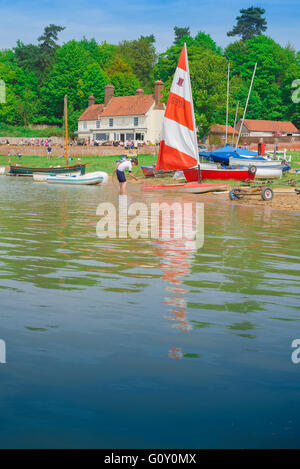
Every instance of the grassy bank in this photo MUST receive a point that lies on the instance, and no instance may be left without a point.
(26, 132)
(107, 163)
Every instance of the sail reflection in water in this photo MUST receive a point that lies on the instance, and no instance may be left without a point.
(176, 257)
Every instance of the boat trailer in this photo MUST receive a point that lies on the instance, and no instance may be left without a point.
(263, 189)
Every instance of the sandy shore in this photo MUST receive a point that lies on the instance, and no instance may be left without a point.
(284, 199)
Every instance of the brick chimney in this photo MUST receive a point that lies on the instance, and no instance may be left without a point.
(139, 92)
(108, 94)
(91, 100)
(158, 87)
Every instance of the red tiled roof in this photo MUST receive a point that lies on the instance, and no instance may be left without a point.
(270, 126)
(92, 112)
(120, 106)
(128, 105)
(221, 129)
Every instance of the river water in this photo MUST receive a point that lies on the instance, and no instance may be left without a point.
(146, 343)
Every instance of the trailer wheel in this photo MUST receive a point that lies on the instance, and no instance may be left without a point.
(234, 194)
(267, 193)
(252, 169)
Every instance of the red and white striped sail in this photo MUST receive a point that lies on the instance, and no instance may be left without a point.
(178, 147)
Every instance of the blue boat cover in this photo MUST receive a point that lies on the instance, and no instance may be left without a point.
(222, 155)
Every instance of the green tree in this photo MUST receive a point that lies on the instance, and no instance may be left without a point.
(204, 40)
(21, 91)
(141, 56)
(208, 71)
(180, 33)
(48, 45)
(28, 56)
(107, 53)
(26, 107)
(277, 67)
(117, 65)
(251, 23)
(74, 73)
(92, 47)
(125, 84)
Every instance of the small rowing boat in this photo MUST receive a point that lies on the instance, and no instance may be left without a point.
(90, 179)
(148, 171)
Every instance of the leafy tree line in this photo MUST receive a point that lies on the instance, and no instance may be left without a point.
(37, 76)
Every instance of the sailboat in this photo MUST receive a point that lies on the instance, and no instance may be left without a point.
(179, 148)
(18, 170)
(89, 179)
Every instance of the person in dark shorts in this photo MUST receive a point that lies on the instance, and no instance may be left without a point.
(125, 165)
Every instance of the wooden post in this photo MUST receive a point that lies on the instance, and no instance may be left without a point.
(66, 129)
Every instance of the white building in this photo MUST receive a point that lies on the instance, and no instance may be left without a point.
(120, 118)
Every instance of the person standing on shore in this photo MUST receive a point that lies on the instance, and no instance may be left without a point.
(120, 170)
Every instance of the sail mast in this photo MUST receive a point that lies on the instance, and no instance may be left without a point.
(66, 128)
(227, 103)
(193, 114)
(235, 119)
(245, 110)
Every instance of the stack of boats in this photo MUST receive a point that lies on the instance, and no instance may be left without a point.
(227, 163)
(233, 159)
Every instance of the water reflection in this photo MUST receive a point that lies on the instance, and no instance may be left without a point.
(103, 332)
(175, 263)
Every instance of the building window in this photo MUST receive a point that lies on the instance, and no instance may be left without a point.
(97, 124)
(139, 136)
(85, 124)
(101, 137)
(135, 121)
(130, 136)
(111, 122)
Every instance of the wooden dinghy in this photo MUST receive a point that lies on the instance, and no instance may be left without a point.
(190, 187)
(18, 170)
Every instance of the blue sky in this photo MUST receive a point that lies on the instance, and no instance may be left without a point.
(116, 20)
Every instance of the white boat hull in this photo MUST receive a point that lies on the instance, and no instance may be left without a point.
(43, 177)
(89, 179)
(252, 162)
(268, 173)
